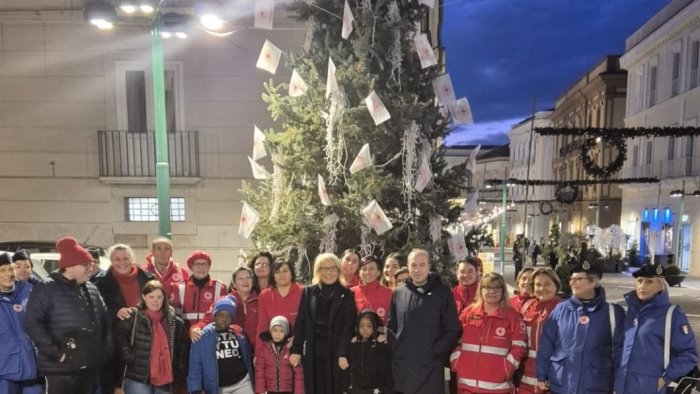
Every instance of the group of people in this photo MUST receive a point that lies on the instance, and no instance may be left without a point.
(360, 327)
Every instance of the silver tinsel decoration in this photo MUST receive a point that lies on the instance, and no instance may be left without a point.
(276, 193)
(395, 54)
(328, 243)
(435, 228)
(335, 140)
(411, 138)
(366, 245)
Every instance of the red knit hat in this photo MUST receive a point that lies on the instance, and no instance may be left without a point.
(198, 255)
(71, 253)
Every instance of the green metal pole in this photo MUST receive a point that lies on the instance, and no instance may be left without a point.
(162, 165)
(680, 230)
(502, 231)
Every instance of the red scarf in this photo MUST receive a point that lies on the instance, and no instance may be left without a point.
(129, 286)
(161, 367)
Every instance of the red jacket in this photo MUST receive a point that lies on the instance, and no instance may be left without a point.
(273, 373)
(246, 316)
(271, 304)
(192, 302)
(490, 349)
(174, 274)
(516, 301)
(373, 296)
(464, 296)
(534, 317)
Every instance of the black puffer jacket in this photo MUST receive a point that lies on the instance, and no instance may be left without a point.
(137, 357)
(112, 294)
(66, 318)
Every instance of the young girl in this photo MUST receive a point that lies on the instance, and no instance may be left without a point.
(273, 373)
(370, 363)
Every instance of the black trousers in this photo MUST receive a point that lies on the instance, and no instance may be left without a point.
(82, 383)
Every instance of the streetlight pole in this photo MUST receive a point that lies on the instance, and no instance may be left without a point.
(680, 226)
(162, 164)
(502, 231)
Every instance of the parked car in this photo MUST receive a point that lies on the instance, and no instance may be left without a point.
(39, 247)
(49, 263)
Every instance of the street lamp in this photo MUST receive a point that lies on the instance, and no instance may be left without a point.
(103, 15)
(680, 193)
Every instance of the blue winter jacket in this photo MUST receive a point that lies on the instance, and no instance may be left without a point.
(642, 361)
(204, 369)
(577, 352)
(17, 361)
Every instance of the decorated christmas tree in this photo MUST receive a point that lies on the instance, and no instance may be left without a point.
(357, 156)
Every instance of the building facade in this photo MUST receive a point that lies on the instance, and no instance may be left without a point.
(662, 59)
(597, 99)
(76, 121)
(531, 161)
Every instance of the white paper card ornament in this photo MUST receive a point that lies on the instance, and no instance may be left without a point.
(269, 57)
(429, 3)
(444, 92)
(425, 51)
(376, 218)
(264, 14)
(471, 205)
(471, 163)
(249, 218)
(348, 19)
(362, 160)
(297, 86)
(457, 245)
(322, 192)
(377, 109)
(259, 171)
(258, 144)
(242, 258)
(331, 81)
(461, 112)
(423, 175)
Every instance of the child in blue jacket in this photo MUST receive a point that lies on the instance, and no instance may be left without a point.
(221, 358)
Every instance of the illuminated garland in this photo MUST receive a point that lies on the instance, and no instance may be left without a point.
(546, 208)
(610, 133)
(592, 168)
(565, 196)
(577, 182)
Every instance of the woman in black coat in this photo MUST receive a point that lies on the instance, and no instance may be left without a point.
(138, 339)
(323, 329)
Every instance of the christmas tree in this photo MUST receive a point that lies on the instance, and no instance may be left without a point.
(312, 202)
(553, 243)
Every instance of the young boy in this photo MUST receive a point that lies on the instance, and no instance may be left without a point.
(221, 359)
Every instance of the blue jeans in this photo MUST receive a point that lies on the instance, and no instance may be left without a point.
(134, 387)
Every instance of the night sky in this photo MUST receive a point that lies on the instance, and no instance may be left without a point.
(502, 52)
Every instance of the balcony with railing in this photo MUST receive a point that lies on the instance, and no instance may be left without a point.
(665, 169)
(126, 153)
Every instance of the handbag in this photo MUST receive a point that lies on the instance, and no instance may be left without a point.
(131, 342)
(685, 384)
